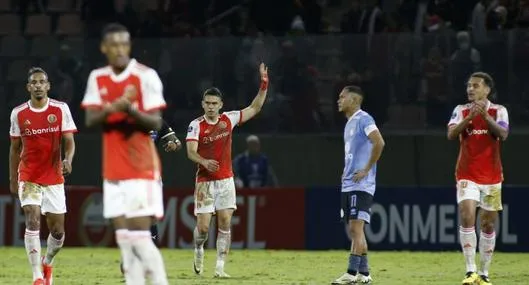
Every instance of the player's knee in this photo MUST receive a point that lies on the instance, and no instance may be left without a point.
(468, 218)
(57, 234)
(356, 229)
(32, 221)
(487, 226)
(202, 229)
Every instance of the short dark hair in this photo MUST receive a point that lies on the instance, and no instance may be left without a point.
(113, 28)
(487, 79)
(36, 69)
(212, 91)
(354, 89)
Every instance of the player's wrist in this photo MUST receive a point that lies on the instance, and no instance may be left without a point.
(264, 84)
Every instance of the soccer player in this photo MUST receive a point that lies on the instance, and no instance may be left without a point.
(167, 138)
(363, 148)
(126, 97)
(480, 125)
(208, 144)
(39, 129)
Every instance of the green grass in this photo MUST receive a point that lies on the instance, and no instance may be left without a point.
(89, 266)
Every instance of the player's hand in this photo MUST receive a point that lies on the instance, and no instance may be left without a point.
(211, 165)
(13, 187)
(173, 145)
(130, 92)
(359, 175)
(263, 71)
(481, 107)
(66, 167)
(122, 104)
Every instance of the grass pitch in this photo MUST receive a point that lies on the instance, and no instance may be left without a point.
(90, 266)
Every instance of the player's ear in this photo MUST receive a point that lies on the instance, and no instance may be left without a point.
(28, 87)
(103, 48)
(48, 86)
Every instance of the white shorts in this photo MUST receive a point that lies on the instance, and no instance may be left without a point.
(211, 196)
(487, 196)
(50, 198)
(133, 198)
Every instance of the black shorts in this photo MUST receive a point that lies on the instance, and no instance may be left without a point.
(356, 205)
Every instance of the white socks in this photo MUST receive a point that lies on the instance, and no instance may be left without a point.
(487, 242)
(53, 247)
(199, 239)
(32, 243)
(468, 239)
(149, 255)
(223, 247)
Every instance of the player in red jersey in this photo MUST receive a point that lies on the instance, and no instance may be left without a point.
(126, 97)
(480, 126)
(209, 145)
(38, 128)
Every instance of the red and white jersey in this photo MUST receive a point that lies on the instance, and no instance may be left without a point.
(41, 133)
(128, 151)
(479, 154)
(214, 142)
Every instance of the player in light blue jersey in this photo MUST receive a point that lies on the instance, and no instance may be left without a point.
(363, 147)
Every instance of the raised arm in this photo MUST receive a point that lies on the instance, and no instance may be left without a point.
(258, 102)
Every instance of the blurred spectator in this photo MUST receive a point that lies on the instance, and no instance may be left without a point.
(252, 169)
(479, 20)
(464, 61)
(351, 20)
(435, 88)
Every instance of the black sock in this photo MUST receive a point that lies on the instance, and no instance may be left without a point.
(154, 234)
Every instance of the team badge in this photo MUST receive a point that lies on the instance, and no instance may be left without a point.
(52, 118)
(222, 125)
(27, 122)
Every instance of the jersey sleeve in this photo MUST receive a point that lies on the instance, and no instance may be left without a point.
(68, 124)
(235, 118)
(193, 131)
(368, 125)
(92, 98)
(14, 130)
(502, 117)
(152, 91)
(457, 116)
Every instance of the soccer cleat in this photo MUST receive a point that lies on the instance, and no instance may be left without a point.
(219, 273)
(346, 278)
(39, 281)
(484, 280)
(363, 279)
(198, 262)
(47, 272)
(471, 278)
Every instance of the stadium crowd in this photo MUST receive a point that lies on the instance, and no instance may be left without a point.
(411, 57)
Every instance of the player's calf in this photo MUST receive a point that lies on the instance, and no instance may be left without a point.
(147, 252)
(32, 239)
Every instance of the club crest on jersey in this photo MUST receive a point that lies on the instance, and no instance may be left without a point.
(27, 122)
(223, 125)
(52, 118)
